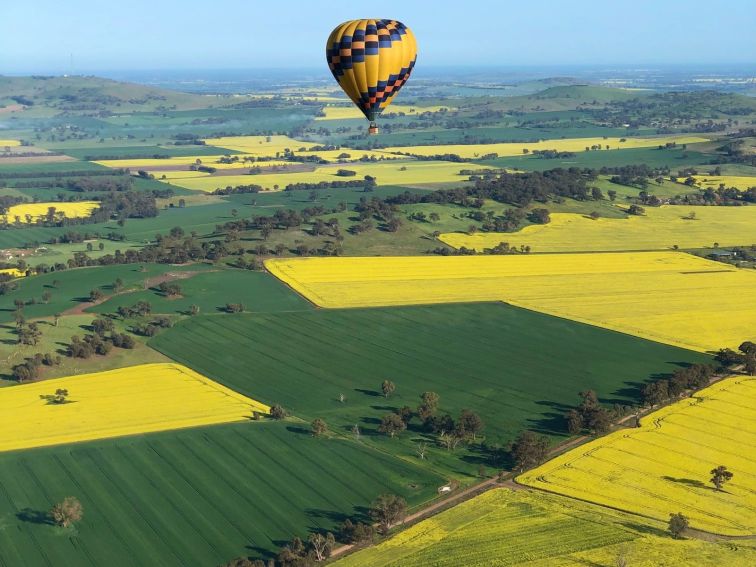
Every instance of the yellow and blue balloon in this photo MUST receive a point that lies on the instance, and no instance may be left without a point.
(371, 60)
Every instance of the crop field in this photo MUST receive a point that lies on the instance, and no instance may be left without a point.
(663, 296)
(304, 360)
(197, 496)
(127, 401)
(663, 466)
(347, 112)
(267, 146)
(15, 272)
(210, 291)
(470, 151)
(38, 210)
(503, 527)
(742, 182)
(386, 173)
(660, 228)
(9, 143)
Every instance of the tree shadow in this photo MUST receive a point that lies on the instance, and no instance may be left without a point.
(332, 515)
(645, 529)
(35, 517)
(50, 399)
(298, 429)
(384, 408)
(261, 552)
(689, 482)
(373, 393)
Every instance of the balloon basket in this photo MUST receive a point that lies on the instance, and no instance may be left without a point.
(373, 128)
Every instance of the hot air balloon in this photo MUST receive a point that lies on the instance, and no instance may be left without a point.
(371, 60)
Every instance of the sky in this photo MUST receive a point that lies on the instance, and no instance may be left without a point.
(46, 35)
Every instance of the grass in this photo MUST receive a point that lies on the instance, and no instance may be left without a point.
(192, 497)
(516, 368)
(502, 527)
(127, 401)
(660, 228)
(470, 151)
(210, 291)
(73, 287)
(348, 112)
(663, 466)
(670, 297)
(125, 152)
(55, 340)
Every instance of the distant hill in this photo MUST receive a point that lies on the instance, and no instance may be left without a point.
(588, 93)
(92, 95)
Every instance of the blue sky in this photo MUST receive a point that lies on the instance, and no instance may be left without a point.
(40, 35)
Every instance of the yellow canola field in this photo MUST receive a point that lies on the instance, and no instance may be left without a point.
(742, 182)
(37, 210)
(183, 163)
(536, 529)
(661, 228)
(562, 145)
(347, 112)
(127, 401)
(259, 145)
(15, 272)
(386, 173)
(11, 143)
(664, 466)
(670, 297)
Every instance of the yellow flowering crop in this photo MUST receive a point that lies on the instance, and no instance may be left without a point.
(386, 173)
(664, 466)
(563, 145)
(345, 112)
(714, 181)
(15, 272)
(6, 143)
(127, 401)
(660, 228)
(536, 529)
(669, 297)
(259, 145)
(37, 210)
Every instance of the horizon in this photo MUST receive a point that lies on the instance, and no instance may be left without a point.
(172, 37)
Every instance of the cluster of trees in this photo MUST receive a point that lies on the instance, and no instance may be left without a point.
(745, 356)
(693, 377)
(30, 368)
(590, 415)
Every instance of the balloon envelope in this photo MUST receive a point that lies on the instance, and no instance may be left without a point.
(371, 60)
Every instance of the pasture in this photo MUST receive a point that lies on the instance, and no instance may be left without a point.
(210, 291)
(670, 297)
(663, 466)
(470, 151)
(198, 496)
(348, 112)
(127, 401)
(516, 368)
(660, 228)
(503, 527)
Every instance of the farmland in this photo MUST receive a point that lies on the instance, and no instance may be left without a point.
(37, 210)
(562, 145)
(502, 527)
(127, 401)
(651, 294)
(663, 466)
(304, 360)
(660, 228)
(386, 173)
(348, 112)
(195, 496)
(714, 181)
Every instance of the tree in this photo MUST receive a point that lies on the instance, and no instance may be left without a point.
(529, 450)
(470, 423)
(388, 388)
(428, 405)
(421, 449)
(719, 476)
(46, 297)
(95, 295)
(678, 523)
(277, 412)
(56, 318)
(388, 510)
(319, 427)
(194, 310)
(391, 424)
(67, 512)
(60, 396)
(322, 545)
